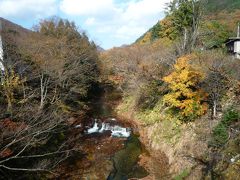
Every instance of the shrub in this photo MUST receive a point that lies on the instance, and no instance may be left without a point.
(220, 132)
(220, 135)
(230, 116)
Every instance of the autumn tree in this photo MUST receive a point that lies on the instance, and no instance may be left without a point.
(11, 72)
(215, 86)
(184, 96)
(10, 83)
(59, 66)
(221, 73)
(67, 61)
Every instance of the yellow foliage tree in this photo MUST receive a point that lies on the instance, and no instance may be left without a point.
(10, 82)
(185, 96)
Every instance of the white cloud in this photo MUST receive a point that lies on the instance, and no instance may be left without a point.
(127, 32)
(144, 8)
(104, 29)
(24, 9)
(122, 20)
(90, 21)
(87, 7)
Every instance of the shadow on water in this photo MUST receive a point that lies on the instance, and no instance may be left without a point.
(105, 98)
(126, 161)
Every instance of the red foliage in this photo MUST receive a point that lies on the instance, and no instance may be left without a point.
(117, 79)
(9, 125)
(6, 153)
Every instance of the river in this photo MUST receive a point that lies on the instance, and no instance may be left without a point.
(110, 147)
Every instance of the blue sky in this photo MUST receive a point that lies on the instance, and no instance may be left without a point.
(109, 23)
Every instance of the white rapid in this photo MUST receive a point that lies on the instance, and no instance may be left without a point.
(116, 130)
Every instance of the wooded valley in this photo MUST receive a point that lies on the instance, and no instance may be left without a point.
(178, 85)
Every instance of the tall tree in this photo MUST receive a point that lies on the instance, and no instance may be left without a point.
(185, 16)
(59, 67)
(66, 57)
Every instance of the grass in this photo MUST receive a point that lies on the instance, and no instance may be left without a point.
(185, 173)
(152, 116)
(168, 131)
(148, 116)
(126, 105)
(167, 128)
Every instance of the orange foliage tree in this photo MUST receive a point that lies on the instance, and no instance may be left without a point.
(185, 97)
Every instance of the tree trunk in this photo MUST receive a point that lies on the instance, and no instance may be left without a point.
(9, 106)
(214, 108)
(43, 86)
(185, 38)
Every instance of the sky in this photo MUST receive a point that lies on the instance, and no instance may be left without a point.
(109, 23)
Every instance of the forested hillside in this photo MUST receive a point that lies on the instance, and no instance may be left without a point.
(164, 107)
(220, 16)
(48, 77)
(181, 87)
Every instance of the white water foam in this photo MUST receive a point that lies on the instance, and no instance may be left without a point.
(78, 126)
(116, 131)
(94, 129)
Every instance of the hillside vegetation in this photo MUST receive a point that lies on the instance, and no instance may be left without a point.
(219, 17)
(49, 76)
(182, 89)
(216, 5)
(179, 87)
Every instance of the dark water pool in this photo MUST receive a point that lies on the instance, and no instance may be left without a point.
(126, 161)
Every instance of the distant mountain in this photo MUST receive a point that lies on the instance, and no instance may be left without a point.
(12, 36)
(12, 31)
(8, 26)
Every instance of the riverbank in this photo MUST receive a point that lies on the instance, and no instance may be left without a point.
(175, 149)
(186, 150)
(153, 160)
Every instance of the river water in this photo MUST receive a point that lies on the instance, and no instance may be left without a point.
(125, 160)
(105, 123)
(108, 148)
